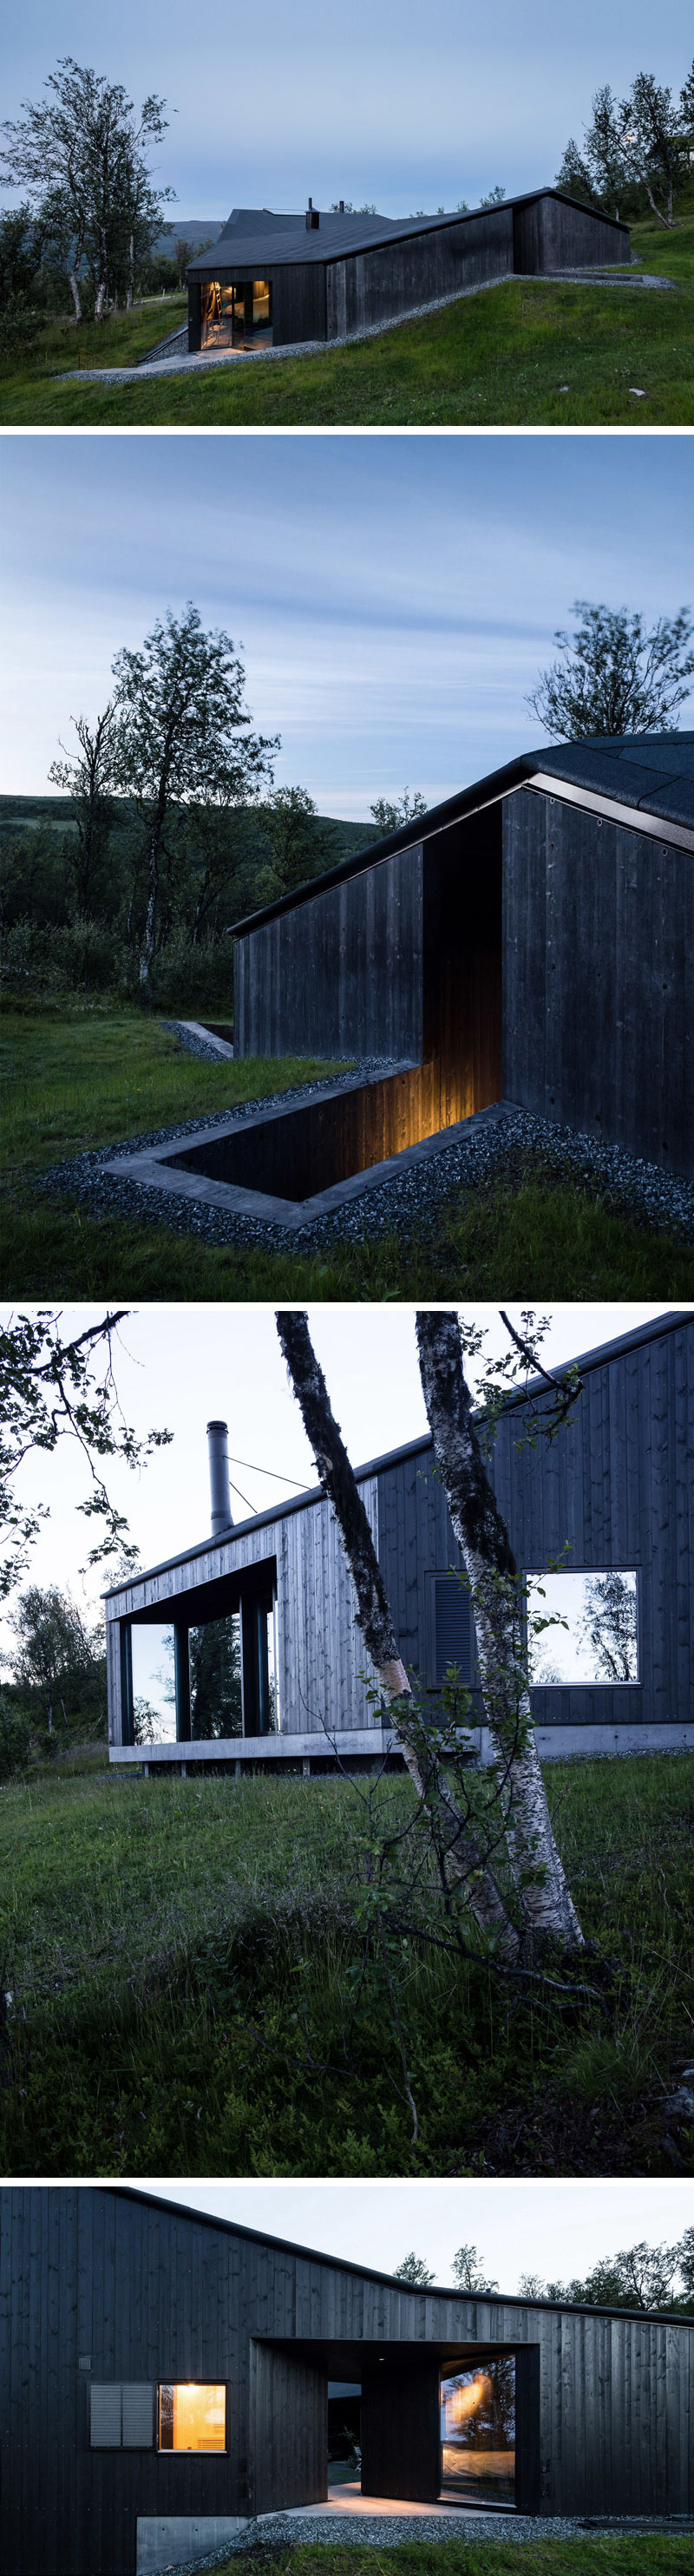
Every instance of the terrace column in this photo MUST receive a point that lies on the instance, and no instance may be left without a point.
(182, 1680)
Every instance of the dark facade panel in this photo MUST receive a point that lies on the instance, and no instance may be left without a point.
(101, 2286)
(341, 976)
(375, 285)
(550, 233)
(598, 970)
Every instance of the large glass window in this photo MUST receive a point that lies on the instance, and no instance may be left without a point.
(597, 1640)
(192, 2416)
(153, 1685)
(234, 315)
(215, 1678)
(478, 2432)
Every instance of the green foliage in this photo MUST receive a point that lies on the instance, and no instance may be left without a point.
(176, 1944)
(15, 1734)
(613, 676)
(412, 2269)
(55, 1387)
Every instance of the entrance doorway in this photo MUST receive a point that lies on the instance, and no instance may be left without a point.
(478, 2434)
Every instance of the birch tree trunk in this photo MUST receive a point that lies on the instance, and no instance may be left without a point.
(492, 1576)
(376, 1623)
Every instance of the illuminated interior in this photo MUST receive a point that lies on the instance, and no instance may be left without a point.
(235, 315)
(192, 2416)
(478, 2433)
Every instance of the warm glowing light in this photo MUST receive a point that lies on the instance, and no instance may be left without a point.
(459, 2403)
(192, 2416)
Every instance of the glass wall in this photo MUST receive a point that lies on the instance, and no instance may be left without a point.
(234, 316)
(478, 2433)
(192, 2417)
(153, 1685)
(215, 1678)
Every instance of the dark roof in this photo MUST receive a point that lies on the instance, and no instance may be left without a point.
(278, 241)
(586, 1360)
(649, 774)
(363, 2271)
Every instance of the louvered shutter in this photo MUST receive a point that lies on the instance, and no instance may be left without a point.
(452, 1629)
(105, 2415)
(138, 2415)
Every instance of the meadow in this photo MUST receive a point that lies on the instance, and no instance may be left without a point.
(529, 352)
(79, 1077)
(641, 2553)
(188, 1994)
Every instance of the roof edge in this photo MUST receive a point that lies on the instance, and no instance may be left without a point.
(365, 2271)
(671, 1321)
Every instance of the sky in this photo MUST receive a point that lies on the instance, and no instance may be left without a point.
(557, 2230)
(370, 102)
(395, 597)
(179, 1367)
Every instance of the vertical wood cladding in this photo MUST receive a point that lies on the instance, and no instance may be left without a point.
(598, 967)
(618, 1486)
(373, 286)
(141, 2293)
(340, 975)
(400, 2443)
(552, 234)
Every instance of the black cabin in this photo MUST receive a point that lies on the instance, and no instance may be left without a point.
(273, 280)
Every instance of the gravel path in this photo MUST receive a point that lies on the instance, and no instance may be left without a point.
(379, 2531)
(493, 1152)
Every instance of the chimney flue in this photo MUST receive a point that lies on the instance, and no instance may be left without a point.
(218, 1451)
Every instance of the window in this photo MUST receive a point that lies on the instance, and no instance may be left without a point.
(478, 2432)
(449, 1629)
(598, 1640)
(192, 2416)
(121, 2415)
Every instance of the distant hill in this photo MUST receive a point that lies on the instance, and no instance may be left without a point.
(21, 813)
(193, 232)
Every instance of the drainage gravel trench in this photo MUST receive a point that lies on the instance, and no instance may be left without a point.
(381, 2531)
(625, 1183)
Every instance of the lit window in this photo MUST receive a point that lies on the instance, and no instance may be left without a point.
(595, 1639)
(192, 2416)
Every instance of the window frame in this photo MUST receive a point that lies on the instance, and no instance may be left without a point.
(218, 2451)
(590, 1573)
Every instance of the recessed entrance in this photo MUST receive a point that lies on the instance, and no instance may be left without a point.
(236, 314)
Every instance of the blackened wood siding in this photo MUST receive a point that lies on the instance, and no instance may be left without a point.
(375, 285)
(143, 2293)
(552, 234)
(598, 974)
(339, 976)
(618, 1486)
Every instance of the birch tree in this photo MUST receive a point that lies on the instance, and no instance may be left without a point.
(510, 1872)
(182, 738)
(85, 777)
(80, 154)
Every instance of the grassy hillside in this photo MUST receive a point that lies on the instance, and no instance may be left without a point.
(183, 1960)
(94, 1077)
(54, 814)
(642, 2553)
(526, 352)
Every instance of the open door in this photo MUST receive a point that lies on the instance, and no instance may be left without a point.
(400, 2426)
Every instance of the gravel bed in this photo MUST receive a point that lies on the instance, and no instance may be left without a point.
(379, 2531)
(413, 1196)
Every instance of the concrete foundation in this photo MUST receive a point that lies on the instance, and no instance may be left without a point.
(169, 2541)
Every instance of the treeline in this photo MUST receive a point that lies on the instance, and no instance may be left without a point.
(637, 152)
(55, 1695)
(173, 831)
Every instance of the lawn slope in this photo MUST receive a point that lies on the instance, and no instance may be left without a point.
(527, 352)
(182, 1957)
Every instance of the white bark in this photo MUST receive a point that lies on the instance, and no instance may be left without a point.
(491, 1572)
(375, 1620)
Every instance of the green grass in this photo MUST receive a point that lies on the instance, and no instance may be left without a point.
(502, 357)
(170, 1946)
(77, 1080)
(645, 2553)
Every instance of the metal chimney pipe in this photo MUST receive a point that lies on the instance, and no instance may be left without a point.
(218, 1451)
